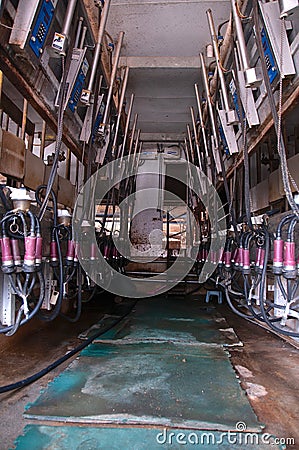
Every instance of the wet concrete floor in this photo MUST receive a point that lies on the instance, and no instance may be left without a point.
(267, 365)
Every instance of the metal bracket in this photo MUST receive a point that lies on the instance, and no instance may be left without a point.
(7, 301)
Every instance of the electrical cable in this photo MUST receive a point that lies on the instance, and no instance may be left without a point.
(58, 362)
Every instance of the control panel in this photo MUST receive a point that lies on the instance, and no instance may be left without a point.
(269, 57)
(41, 27)
(78, 86)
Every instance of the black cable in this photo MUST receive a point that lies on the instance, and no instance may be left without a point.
(58, 362)
(79, 300)
(53, 198)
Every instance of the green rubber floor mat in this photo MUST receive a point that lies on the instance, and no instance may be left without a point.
(163, 384)
(175, 320)
(37, 437)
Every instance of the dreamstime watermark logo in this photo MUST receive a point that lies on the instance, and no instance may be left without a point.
(239, 437)
(91, 257)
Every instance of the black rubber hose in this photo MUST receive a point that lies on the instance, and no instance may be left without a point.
(26, 381)
(276, 329)
(291, 229)
(54, 200)
(232, 307)
(32, 223)
(283, 221)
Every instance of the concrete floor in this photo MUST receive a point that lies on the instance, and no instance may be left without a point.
(268, 368)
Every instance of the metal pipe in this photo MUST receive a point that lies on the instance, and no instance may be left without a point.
(96, 56)
(68, 17)
(195, 137)
(190, 142)
(24, 118)
(133, 133)
(120, 107)
(68, 164)
(113, 75)
(187, 151)
(84, 31)
(139, 154)
(136, 144)
(1, 87)
(251, 77)
(43, 140)
(230, 113)
(127, 126)
(202, 125)
(79, 28)
(209, 101)
(240, 35)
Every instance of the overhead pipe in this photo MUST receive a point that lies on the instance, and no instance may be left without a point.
(195, 137)
(112, 78)
(231, 116)
(97, 52)
(120, 107)
(127, 126)
(251, 77)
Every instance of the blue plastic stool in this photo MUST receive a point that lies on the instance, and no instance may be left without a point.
(217, 294)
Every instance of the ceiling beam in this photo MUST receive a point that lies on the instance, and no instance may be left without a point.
(162, 137)
(160, 62)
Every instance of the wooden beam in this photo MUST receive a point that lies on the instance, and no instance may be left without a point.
(12, 73)
(16, 114)
(289, 103)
